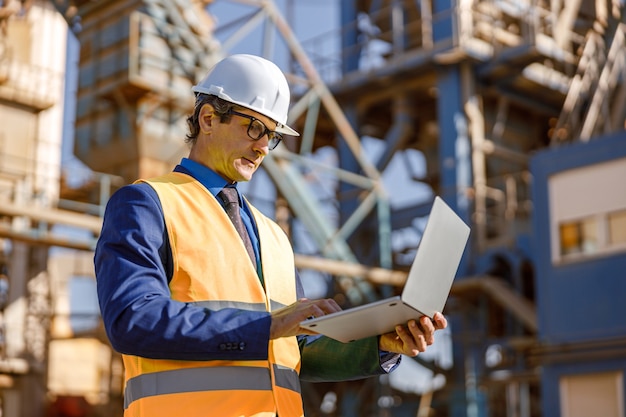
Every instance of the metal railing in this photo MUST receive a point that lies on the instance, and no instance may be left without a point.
(479, 28)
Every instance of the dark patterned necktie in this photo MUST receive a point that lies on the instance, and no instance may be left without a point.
(230, 200)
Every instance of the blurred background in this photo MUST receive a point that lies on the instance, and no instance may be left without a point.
(512, 110)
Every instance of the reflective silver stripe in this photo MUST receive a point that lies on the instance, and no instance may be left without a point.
(287, 378)
(220, 304)
(197, 379)
(275, 305)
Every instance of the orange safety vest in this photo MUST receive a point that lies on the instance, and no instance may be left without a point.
(212, 269)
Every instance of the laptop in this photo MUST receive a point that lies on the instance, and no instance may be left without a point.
(425, 291)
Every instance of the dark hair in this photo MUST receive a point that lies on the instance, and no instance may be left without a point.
(222, 109)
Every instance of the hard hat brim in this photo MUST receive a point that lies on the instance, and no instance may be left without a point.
(284, 129)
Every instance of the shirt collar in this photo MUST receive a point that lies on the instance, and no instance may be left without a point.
(211, 180)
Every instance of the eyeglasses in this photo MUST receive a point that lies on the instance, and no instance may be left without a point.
(257, 129)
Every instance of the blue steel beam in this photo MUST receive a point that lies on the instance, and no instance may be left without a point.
(451, 119)
(454, 158)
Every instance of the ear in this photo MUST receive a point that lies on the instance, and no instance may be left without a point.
(205, 117)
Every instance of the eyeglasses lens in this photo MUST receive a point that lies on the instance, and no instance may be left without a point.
(256, 130)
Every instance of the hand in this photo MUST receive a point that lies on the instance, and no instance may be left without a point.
(413, 338)
(286, 321)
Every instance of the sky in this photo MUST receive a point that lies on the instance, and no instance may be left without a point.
(307, 18)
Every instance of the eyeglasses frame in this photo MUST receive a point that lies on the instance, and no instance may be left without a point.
(274, 138)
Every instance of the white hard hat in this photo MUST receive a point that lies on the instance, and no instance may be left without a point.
(252, 82)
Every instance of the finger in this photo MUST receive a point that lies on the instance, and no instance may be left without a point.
(427, 325)
(412, 339)
(419, 335)
(327, 306)
(314, 311)
(428, 329)
(409, 347)
(440, 321)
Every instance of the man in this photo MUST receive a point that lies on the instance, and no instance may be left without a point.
(207, 319)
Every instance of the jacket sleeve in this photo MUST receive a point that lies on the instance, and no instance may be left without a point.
(133, 267)
(327, 360)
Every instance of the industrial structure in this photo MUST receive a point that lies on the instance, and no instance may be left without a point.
(513, 111)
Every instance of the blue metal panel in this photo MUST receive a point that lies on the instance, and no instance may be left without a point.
(576, 301)
(580, 305)
(584, 301)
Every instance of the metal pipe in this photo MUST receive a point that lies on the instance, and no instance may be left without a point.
(523, 309)
(613, 68)
(268, 39)
(342, 174)
(490, 147)
(35, 237)
(244, 30)
(400, 131)
(477, 136)
(356, 217)
(53, 216)
(397, 27)
(334, 267)
(427, 24)
(384, 233)
(310, 124)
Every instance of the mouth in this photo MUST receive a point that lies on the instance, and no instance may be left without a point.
(249, 161)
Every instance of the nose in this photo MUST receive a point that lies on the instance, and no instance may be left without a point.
(262, 145)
